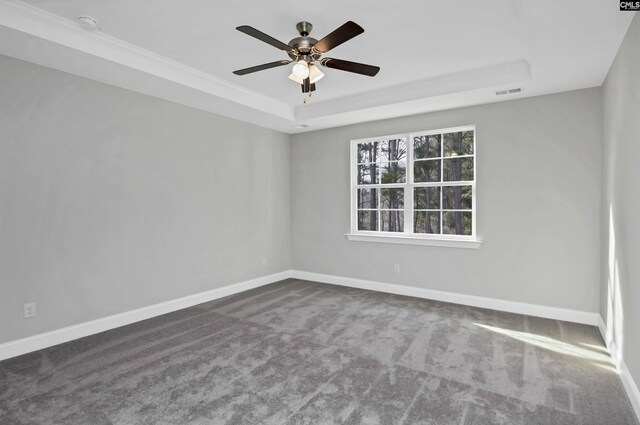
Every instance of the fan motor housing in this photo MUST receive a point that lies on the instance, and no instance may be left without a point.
(303, 45)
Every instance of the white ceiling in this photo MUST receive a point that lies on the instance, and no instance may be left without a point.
(433, 54)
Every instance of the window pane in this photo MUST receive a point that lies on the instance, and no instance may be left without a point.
(393, 172)
(426, 146)
(426, 222)
(426, 171)
(393, 150)
(392, 198)
(460, 143)
(426, 198)
(368, 152)
(456, 222)
(458, 169)
(368, 174)
(392, 221)
(367, 199)
(456, 197)
(368, 220)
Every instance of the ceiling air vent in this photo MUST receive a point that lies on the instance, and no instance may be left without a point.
(510, 91)
(302, 126)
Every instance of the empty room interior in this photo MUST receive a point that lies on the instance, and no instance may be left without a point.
(337, 212)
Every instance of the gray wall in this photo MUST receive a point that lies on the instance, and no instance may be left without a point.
(538, 186)
(111, 200)
(620, 283)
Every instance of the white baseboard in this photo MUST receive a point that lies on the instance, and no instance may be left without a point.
(48, 339)
(628, 382)
(547, 312)
(603, 330)
(630, 386)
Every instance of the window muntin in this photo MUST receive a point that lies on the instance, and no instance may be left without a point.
(381, 176)
(420, 184)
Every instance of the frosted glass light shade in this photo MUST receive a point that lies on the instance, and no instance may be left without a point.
(301, 69)
(315, 74)
(292, 77)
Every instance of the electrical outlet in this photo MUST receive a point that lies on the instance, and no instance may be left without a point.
(29, 310)
(264, 261)
(396, 268)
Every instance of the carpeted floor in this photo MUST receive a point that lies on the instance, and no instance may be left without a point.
(307, 353)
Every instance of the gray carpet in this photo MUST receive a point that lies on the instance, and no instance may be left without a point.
(306, 353)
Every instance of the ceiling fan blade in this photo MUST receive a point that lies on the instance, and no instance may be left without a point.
(264, 37)
(261, 67)
(358, 68)
(345, 33)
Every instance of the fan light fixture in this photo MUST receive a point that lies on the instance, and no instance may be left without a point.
(314, 75)
(301, 69)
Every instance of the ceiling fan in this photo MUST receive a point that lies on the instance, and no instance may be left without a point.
(305, 51)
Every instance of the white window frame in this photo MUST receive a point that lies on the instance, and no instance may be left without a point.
(408, 237)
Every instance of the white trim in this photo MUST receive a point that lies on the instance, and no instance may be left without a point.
(602, 327)
(48, 339)
(400, 238)
(556, 313)
(38, 22)
(37, 36)
(630, 386)
(402, 98)
(407, 236)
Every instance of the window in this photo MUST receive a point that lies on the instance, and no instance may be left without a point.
(418, 186)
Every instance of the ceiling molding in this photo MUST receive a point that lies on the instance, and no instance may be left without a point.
(40, 24)
(491, 76)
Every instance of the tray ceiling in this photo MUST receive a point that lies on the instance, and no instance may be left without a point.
(434, 55)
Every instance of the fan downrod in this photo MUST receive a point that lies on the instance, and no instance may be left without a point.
(304, 28)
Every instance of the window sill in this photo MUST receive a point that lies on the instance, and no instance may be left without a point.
(415, 240)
